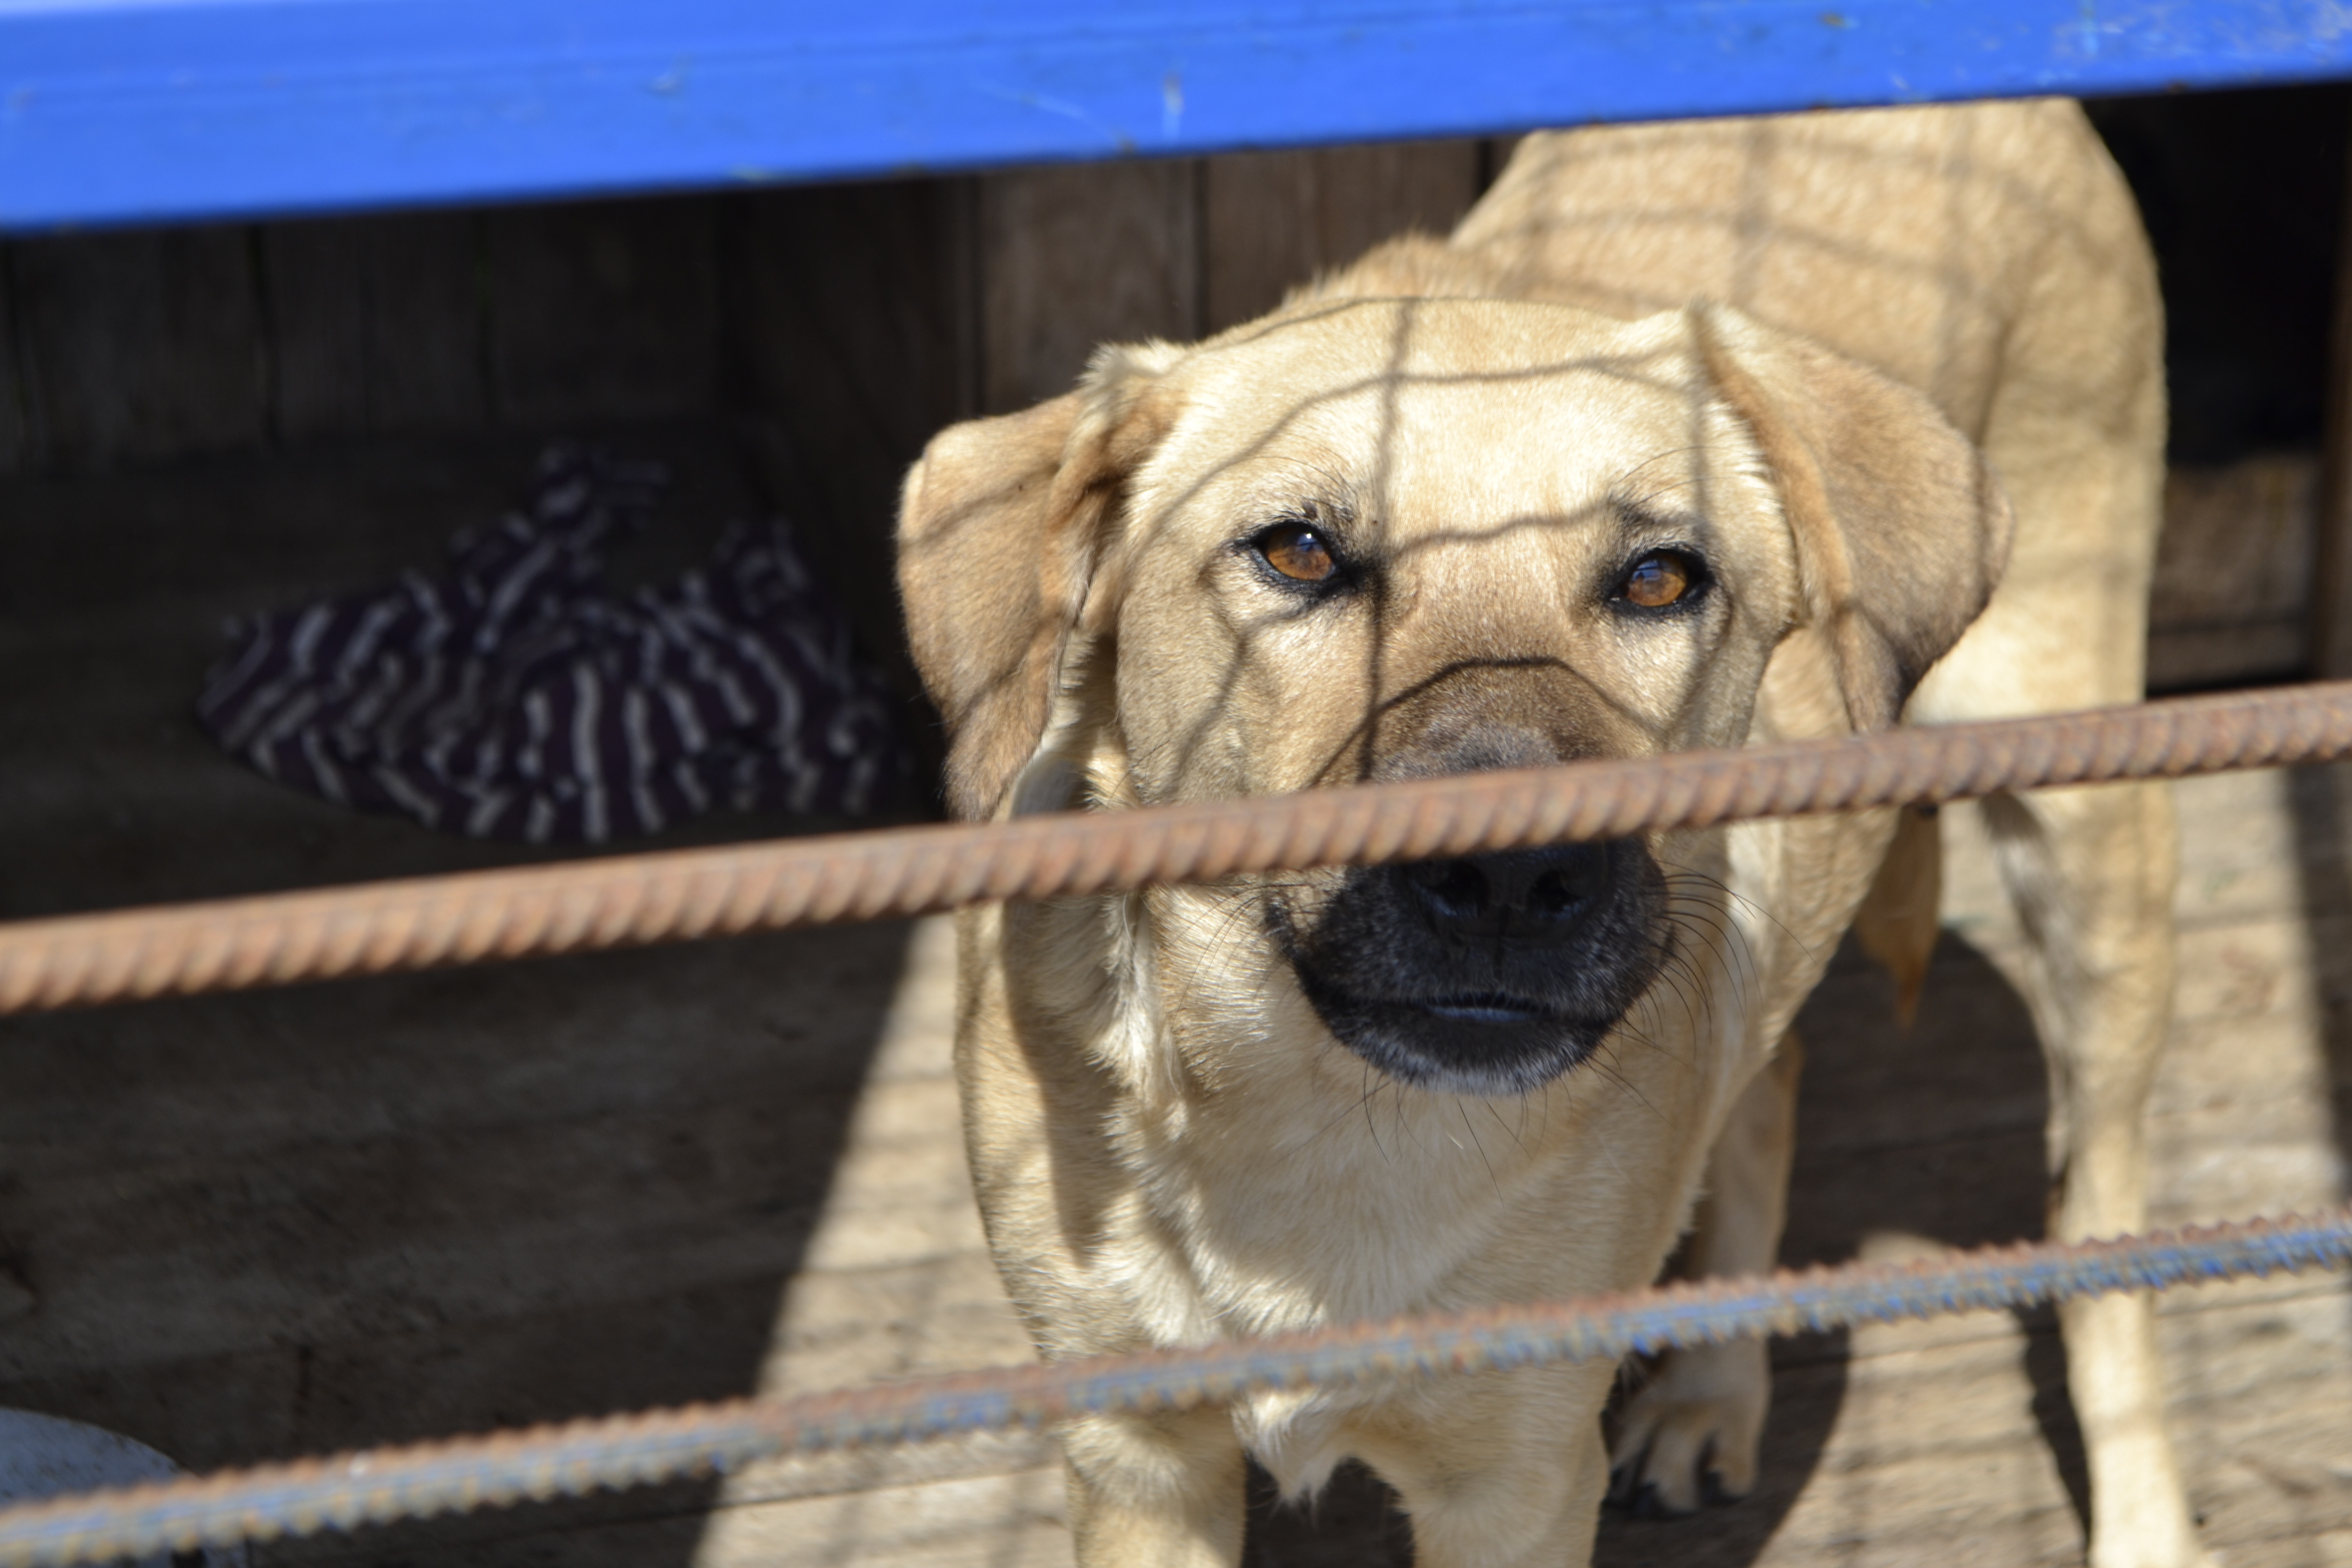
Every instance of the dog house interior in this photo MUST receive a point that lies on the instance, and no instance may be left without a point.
(250, 1226)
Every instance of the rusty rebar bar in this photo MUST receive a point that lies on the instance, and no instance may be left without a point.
(348, 1490)
(424, 923)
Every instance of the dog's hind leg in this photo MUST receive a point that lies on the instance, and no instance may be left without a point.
(1162, 1490)
(1694, 1427)
(2091, 873)
(2075, 428)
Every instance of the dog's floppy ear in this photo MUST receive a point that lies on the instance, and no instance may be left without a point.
(1901, 527)
(1000, 528)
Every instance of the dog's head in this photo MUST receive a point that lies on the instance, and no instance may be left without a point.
(1384, 539)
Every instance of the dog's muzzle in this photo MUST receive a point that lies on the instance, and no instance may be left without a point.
(1489, 975)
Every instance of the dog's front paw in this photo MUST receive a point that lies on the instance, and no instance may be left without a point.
(1689, 1437)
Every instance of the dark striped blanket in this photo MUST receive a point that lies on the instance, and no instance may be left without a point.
(515, 695)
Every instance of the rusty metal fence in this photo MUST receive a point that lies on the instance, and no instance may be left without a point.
(628, 899)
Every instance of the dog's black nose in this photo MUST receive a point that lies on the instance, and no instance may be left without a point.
(1535, 895)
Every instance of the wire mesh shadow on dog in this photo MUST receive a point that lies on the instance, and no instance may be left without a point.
(1688, 436)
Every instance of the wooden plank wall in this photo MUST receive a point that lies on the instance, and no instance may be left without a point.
(139, 343)
(124, 349)
(375, 324)
(1071, 258)
(859, 317)
(13, 434)
(850, 314)
(2329, 642)
(834, 329)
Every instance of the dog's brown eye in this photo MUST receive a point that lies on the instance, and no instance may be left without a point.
(1657, 581)
(1298, 551)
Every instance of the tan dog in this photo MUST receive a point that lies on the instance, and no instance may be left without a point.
(1498, 501)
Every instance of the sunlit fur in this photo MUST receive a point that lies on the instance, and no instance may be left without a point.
(1169, 1145)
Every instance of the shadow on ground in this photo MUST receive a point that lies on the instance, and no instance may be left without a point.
(246, 1227)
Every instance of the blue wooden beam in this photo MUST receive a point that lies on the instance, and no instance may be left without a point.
(114, 112)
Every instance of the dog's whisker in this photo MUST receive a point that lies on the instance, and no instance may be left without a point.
(1373, 1083)
(1689, 977)
(1722, 935)
(1489, 1105)
(1477, 1143)
(1762, 912)
(1600, 1064)
(1673, 970)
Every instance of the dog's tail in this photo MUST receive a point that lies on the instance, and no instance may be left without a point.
(1896, 923)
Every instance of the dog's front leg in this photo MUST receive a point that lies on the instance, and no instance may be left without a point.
(1163, 1490)
(1499, 1470)
(1701, 1415)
